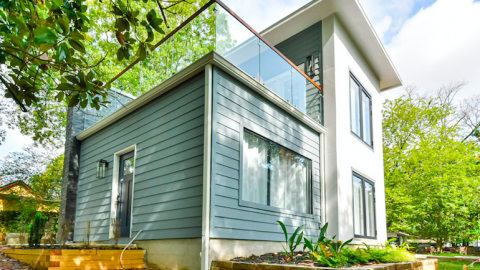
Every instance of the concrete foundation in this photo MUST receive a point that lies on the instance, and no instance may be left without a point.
(226, 249)
(173, 254)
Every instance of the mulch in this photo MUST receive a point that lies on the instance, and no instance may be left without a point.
(300, 259)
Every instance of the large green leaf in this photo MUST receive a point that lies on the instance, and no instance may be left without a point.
(65, 86)
(154, 21)
(77, 45)
(64, 23)
(58, 2)
(284, 229)
(76, 35)
(62, 52)
(45, 35)
(73, 101)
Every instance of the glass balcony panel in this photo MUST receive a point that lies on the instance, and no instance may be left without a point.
(275, 72)
(236, 43)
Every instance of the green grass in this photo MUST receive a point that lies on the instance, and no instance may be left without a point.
(452, 265)
(448, 254)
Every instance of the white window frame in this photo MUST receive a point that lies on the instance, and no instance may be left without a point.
(114, 190)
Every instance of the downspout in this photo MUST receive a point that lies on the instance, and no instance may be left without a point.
(207, 167)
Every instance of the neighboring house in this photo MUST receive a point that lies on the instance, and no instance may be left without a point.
(13, 197)
(285, 125)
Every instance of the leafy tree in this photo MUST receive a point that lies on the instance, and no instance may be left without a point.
(26, 164)
(49, 184)
(64, 51)
(431, 174)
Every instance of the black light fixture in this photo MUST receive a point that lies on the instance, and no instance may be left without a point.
(310, 69)
(102, 167)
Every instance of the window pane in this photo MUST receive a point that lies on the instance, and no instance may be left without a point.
(128, 166)
(254, 187)
(370, 209)
(358, 206)
(366, 118)
(288, 172)
(355, 107)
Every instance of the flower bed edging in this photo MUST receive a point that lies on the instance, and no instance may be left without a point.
(88, 259)
(430, 264)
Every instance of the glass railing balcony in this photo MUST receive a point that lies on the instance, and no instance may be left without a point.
(216, 28)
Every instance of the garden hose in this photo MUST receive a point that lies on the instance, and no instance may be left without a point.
(121, 263)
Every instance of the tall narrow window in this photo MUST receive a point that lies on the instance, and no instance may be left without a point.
(360, 111)
(275, 176)
(363, 207)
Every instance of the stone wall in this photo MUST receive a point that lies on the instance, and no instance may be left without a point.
(431, 264)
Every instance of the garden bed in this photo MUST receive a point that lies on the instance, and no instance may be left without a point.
(78, 259)
(430, 264)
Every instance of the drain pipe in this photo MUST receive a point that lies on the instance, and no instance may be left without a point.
(207, 168)
(121, 255)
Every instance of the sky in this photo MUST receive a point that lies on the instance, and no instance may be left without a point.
(430, 42)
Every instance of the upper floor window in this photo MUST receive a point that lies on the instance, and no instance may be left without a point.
(361, 111)
(363, 207)
(274, 176)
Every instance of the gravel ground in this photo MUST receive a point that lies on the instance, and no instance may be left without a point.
(11, 264)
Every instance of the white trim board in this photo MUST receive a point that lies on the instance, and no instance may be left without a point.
(113, 194)
(190, 71)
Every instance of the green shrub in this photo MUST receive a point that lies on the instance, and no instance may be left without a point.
(398, 255)
(389, 254)
(37, 229)
(357, 256)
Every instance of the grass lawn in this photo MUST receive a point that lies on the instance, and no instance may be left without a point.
(448, 254)
(452, 265)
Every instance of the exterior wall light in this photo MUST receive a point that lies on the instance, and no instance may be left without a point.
(102, 167)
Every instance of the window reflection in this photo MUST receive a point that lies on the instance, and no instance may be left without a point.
(275, 176)
(128, 166)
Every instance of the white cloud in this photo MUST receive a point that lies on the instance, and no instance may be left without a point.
(438, 45)
(388, 16)
(383, 26)
(262, 14)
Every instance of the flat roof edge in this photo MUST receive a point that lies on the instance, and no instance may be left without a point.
(190, 71)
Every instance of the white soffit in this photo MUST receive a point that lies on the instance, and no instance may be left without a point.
(356, 23)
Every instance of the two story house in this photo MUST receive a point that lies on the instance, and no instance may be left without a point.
(279, 125)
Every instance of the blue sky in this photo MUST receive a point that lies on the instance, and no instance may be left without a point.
(399, 20)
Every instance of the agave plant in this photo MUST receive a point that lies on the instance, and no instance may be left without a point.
(291, 244)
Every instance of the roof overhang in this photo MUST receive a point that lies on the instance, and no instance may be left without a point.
(211, 58)
(353, 18)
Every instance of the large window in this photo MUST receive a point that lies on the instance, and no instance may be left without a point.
(364, 207)
(361, 111)
(274, 176)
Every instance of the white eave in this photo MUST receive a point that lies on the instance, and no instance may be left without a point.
(356, 23)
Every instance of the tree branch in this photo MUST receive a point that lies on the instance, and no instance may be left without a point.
(163, 14)
(13, 94)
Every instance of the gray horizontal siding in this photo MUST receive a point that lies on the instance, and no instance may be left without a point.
(168, 132)
(235, 106)
(297, 48)
(306, 43)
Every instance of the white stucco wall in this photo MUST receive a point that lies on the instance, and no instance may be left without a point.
(344, 152)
